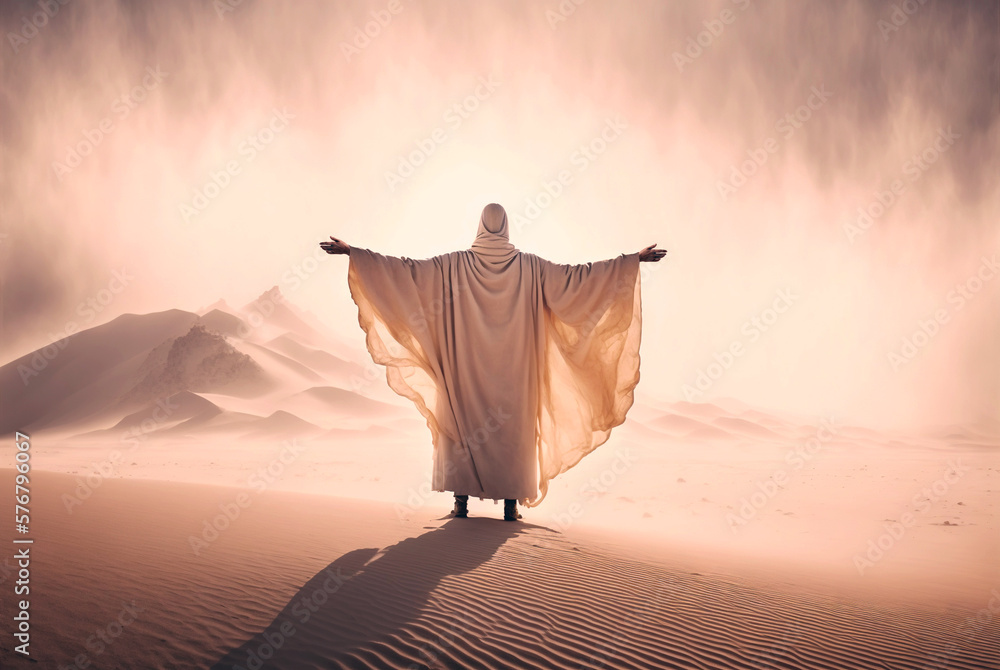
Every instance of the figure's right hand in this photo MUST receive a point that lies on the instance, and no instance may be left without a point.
(651, 254)
(336, 247)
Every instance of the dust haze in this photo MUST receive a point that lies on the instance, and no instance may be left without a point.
(160, 156)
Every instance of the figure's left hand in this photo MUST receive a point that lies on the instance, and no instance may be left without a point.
(651, 254)
(336, 247)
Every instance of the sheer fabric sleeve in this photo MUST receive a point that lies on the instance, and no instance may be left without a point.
(398, 300)
(593, 324)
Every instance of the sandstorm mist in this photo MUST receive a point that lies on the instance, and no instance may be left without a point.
(824, 175)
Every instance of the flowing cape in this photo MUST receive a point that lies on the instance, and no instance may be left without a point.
(520, 366)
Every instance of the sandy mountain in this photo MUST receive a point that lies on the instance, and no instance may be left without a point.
(224, 323)
(226, 425)
(97, 378)
(211, 424)
(278, 364)
(199, 360)
(119, 376)
(178, 407)
(84, 373)
(321, 404)
(675, 424)
(156, 417)
(700, 410)
(220, 305)
(749, 428)
(281, 425)
(342, 435)
(333, 367)
(271, 311)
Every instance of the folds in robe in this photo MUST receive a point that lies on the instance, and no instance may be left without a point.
(521, 367)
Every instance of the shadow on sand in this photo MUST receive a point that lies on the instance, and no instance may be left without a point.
(366, 596)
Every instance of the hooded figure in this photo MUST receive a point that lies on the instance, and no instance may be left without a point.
(520, 366)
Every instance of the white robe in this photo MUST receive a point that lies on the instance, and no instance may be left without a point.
(520, 366)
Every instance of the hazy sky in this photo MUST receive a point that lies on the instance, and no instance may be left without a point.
(161, 155)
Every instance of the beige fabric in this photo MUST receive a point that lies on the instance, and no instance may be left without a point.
(520, 366)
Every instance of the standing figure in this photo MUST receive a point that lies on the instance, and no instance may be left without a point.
(520, 366)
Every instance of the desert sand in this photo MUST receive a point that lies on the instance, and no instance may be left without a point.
(211, 493)
(312, 581)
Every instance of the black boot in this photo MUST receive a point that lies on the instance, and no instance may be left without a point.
(461, 507)
(510, 512)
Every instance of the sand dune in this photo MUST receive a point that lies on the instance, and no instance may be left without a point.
(273, 308)
(199, 360)
(675, 424)
(343, 402)
(157, 416)
(634, 429)
(351, 350)
(215, 424)
(113, 376)
(211, 423)
(336, 369)
(750, 428)
(372, 432)
(224, 323)
(309, 582)
(84, 373)
(420, 591)
(763, 419)
(709, 433)
(281, 425)
(278, 364)
(178, 407)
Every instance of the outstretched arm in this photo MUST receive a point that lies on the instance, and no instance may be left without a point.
(336, 247)
(651, 254)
